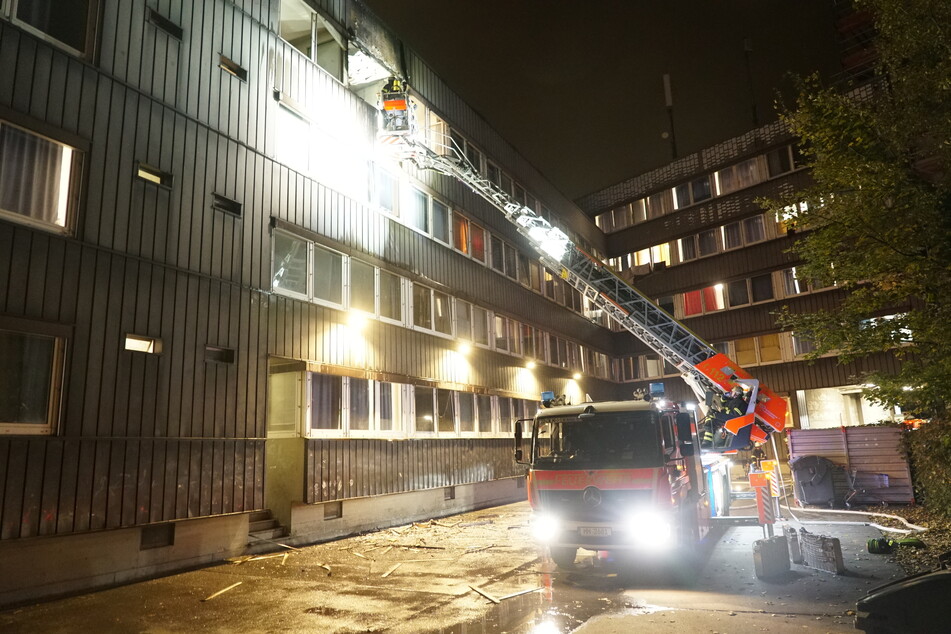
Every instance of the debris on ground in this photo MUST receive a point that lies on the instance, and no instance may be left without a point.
(937, 538)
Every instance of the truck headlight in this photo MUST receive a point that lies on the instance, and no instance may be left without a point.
(545, 527)
(649, 529)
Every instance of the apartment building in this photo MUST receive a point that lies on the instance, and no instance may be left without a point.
(693, 236)
(220, 296)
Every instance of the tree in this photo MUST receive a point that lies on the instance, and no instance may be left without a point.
(877, 222)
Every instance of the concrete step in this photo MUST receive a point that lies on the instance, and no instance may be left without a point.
(263, 532)
(262, 525)
(257, 516)
(268, 534)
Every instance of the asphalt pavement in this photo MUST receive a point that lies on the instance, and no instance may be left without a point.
(477, 572)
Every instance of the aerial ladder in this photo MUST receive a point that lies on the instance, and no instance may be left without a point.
(711, 375)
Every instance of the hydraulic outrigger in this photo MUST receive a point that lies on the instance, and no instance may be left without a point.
(707, 372)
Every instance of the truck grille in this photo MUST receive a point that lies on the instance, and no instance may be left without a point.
(570, 505)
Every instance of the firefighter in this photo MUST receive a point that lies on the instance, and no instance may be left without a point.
(735, 403)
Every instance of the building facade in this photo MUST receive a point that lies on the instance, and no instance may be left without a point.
(218, 295)
(693, 236)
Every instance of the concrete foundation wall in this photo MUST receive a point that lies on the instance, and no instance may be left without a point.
(308, 524)
(44, 567)
(41, 568)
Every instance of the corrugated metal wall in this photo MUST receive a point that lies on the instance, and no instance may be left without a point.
(149, 438)
(339, 469)
(868, 452)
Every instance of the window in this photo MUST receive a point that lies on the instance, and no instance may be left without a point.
(660, 254)
(442, 313)
(474, 157)
(535, 275)
(511, 259)
(460, 232)
(540, 340)
(659, 204)
(769, 348)
(463, 320)
(289, 264)
(745, 351)
(501, 333)
(692, 303)
(425, 411)
(506, 416)
(417, 212)
(701, 189)
(713, 298)
(37, 179)
(527, 340)
(445, 411)
(29, 382)
(480, 326)
(725, 180)
(492, 173)
(761, 288)
(385, 191)
(64, 23)
(688, 248)
(477, 241)
(391, 297)
(467, 412)
(358, 415)
(682, 196)
(792, 284)
(653, 366)
(748, 173)
(362, 286)
(498, 254)
(484, 413)
(328, 275)
(389, 397)
(314, 37)
(754, 229)
(738, 293)
(802, 345)
(708, 242)
(440, 221)
(326, 399)
(422, 307)
(732, 236)
(778, 161)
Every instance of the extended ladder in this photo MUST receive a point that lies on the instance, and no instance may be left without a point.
(702, 367)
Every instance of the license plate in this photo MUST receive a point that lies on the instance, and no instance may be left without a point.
(594, 531)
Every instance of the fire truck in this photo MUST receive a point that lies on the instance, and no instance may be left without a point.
(612, 475)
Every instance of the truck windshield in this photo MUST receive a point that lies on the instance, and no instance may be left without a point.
(606, 441)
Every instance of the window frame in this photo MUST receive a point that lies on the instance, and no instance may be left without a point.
(77, 154)
(89, 32)
(60, 336)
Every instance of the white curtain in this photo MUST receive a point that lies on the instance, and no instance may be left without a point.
(30, 175)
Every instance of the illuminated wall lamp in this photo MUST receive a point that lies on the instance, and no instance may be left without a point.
(140, 343)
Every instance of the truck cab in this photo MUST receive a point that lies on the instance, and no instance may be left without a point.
(614, 476)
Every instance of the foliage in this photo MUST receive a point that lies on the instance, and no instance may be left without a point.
(929, 449)
(877, 222)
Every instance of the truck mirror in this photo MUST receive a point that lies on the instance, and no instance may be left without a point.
(685, 434)
(518, 441)
(684, 424)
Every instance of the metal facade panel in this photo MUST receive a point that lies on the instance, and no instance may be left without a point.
(867, 453)
(338, 469)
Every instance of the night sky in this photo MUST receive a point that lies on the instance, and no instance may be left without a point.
(577, 87)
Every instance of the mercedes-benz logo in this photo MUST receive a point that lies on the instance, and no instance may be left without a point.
(591, 496)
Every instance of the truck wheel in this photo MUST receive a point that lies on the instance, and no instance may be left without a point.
(563, 556)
